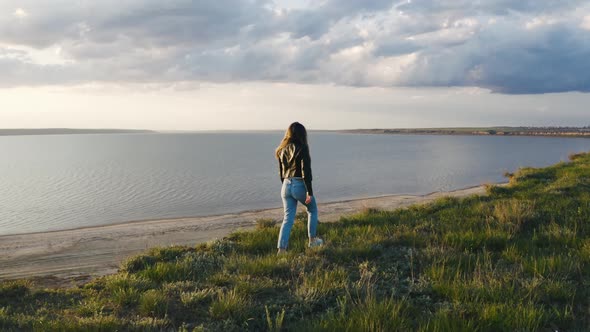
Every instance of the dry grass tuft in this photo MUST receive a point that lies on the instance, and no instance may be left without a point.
(514, 213)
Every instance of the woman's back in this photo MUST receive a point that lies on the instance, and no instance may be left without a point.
(295, 161)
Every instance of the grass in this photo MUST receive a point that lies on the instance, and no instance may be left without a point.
(517, 259)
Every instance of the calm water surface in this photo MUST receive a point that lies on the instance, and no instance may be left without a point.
(70, 181)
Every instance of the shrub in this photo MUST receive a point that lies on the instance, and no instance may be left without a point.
(269, 265)
(369, 314)
(153, 303)
(168, 254)
(576, 156)
(265, 223)
(125, 289)
(137, 263)
(222, 247)
(367, 210)
(514, 213)
(229, 304)
(14, 290)
(91, 307)
(125, 297)
(276, 324)
(192, 266)
(192, 299)
(322, 284)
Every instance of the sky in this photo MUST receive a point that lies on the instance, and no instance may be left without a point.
(262, 64)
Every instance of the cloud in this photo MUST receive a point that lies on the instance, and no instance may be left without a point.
(514, 47)
(508, 59)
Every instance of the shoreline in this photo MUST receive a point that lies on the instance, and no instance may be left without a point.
(74, 256)
(172, 219)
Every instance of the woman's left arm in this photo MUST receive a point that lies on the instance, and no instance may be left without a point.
(306, 170)
(281, 170)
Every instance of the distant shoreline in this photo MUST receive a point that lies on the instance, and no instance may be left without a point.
(467, 131)
(488, 131)
(69, 131)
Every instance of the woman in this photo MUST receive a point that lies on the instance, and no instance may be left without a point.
(295, 172)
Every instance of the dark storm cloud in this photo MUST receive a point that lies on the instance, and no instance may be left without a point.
(511, 60)
(556, 60)
(529, 46)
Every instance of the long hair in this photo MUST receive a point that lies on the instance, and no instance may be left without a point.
(296, 133)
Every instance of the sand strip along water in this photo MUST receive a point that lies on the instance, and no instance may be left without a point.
(74, 256)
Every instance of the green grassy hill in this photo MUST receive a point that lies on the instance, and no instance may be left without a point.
(515, 260)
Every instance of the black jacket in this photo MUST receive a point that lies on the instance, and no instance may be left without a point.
(294, 161)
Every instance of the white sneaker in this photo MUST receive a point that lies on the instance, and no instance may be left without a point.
(316, 242)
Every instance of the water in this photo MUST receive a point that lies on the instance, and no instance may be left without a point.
(70, 181)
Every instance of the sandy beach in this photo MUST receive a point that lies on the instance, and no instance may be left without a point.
(74, 256)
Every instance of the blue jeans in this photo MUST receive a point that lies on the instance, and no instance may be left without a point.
(294, 191)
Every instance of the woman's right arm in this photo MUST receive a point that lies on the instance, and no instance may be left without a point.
(306, 170)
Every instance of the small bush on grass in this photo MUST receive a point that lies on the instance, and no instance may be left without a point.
(137, 263)
(196, 298)
(514, 213)
(322, 285)
(265, 223)
(276, 324)
(168, 254)
(11, 291)
(258, 266)
(125, 280)
(125, 297)
(153, 303)
(445, 320)
(230, 304)
(514, 317)
(369, 314)
(261, 242)
(190, 266)
(91, 307)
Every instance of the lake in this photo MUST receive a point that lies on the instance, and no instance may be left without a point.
(61, 182)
